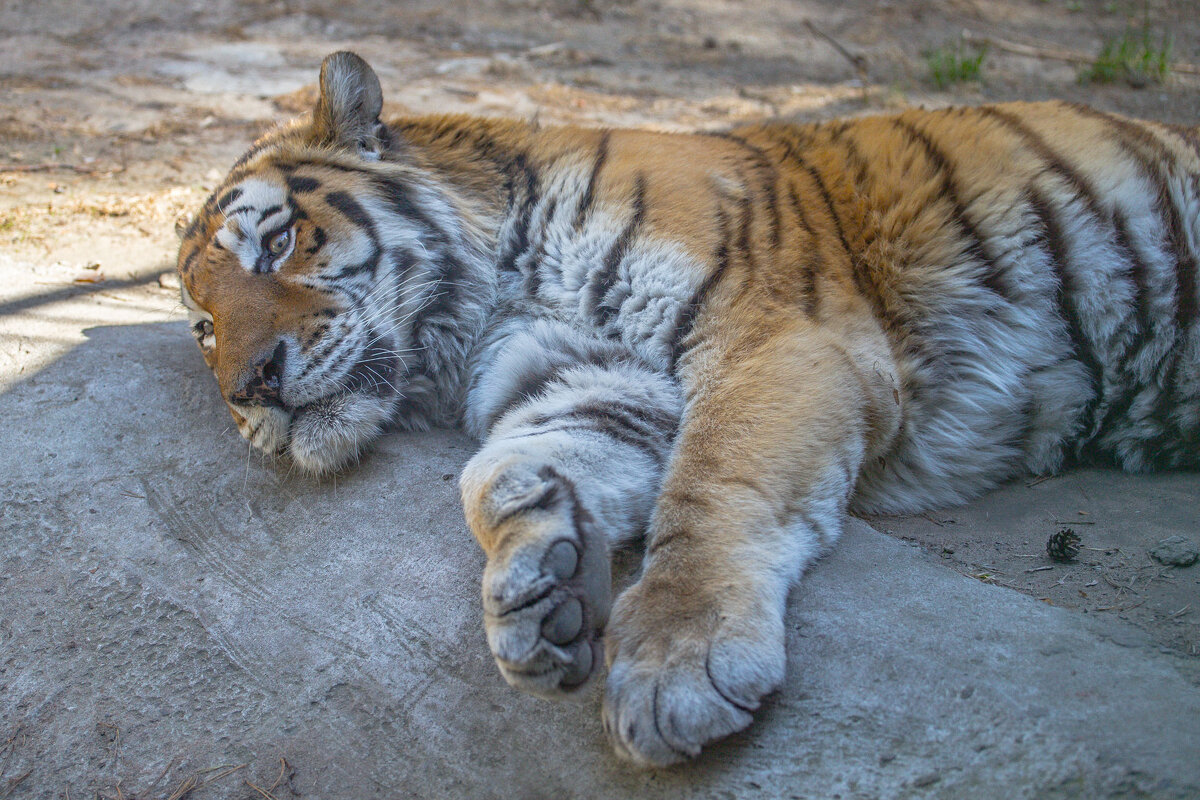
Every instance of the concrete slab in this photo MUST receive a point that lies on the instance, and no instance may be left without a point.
(169, 605)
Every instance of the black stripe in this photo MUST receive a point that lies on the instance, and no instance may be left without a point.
(745, 224)
(537, 261)
(1190, 136)
(608, 419)
(854, 157)
(299, 184)
(691, 310)
(976, 247)
(251, 153)
(189, 260)
(862, 282)
(507, 260)
(811, 261)
(534, 382)
(369, 264)
(268, 211)
(352, 210)
(601, 281)
(451, 271)
(589, 194)
(318, 234)
(400, 199)
(1137, 272)
(226, 199)
(769, 180)
(1186, 266)
(1185, 262)
(1079, 184)
(1051, 233)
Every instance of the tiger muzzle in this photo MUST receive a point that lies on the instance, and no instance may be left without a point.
(264, 385)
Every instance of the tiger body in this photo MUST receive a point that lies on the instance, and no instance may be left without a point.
(723, 341)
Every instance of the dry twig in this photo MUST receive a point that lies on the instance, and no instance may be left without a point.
(52, 166)
(193, 782)
(14, 783)
(1180, 612)
(266, 793)
(1121, 608)
(858, 61)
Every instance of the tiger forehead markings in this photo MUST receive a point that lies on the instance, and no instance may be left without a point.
(718, 342)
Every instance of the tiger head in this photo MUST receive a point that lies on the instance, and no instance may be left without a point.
(332, 285)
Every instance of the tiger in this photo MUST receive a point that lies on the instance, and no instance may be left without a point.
(719, 344)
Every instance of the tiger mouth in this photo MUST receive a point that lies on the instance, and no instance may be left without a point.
(324, 432)
(373, 374)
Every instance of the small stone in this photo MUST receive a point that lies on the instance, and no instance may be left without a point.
(1176, 551)
(928, 779)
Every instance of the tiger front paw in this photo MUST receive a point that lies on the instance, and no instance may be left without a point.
(684, 673)
(547, 584)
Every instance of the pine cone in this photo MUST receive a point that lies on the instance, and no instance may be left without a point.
(1063, 546)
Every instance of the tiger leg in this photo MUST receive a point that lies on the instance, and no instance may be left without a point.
(562, 477)
(772, 438)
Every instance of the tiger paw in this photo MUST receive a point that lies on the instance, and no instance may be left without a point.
(547, 584)
(679, 681)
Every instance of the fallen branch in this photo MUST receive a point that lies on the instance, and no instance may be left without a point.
(51, 166)
(1121, 608)
(858, 61)
(14, 783)
(1056, 53)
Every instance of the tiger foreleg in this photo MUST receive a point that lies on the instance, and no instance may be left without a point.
(563, 477)
(770, 446)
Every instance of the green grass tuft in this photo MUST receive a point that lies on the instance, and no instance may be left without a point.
(1134, 58)
(955, 63)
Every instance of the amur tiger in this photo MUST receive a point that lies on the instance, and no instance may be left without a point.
(722, 342)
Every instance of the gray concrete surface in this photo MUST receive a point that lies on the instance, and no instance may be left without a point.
(169, 605)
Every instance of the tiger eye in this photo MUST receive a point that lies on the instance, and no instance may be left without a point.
(278, 243)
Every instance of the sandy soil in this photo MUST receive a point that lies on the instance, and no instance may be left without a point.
(116, 117)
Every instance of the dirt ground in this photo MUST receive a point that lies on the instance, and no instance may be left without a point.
(115, 117)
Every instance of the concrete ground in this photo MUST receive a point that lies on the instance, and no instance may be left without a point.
(179, 619)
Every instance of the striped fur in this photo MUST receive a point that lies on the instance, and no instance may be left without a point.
(723, 341)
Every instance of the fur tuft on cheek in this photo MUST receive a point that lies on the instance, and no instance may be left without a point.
(333, 432)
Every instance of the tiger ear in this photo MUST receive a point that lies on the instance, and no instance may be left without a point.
(347, 112)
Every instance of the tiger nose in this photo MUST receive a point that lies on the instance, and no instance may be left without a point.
(263, 386)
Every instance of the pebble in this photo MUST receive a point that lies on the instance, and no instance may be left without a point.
(927, 780)
(1176, 551)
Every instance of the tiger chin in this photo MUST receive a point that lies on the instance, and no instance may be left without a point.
(718, 344)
